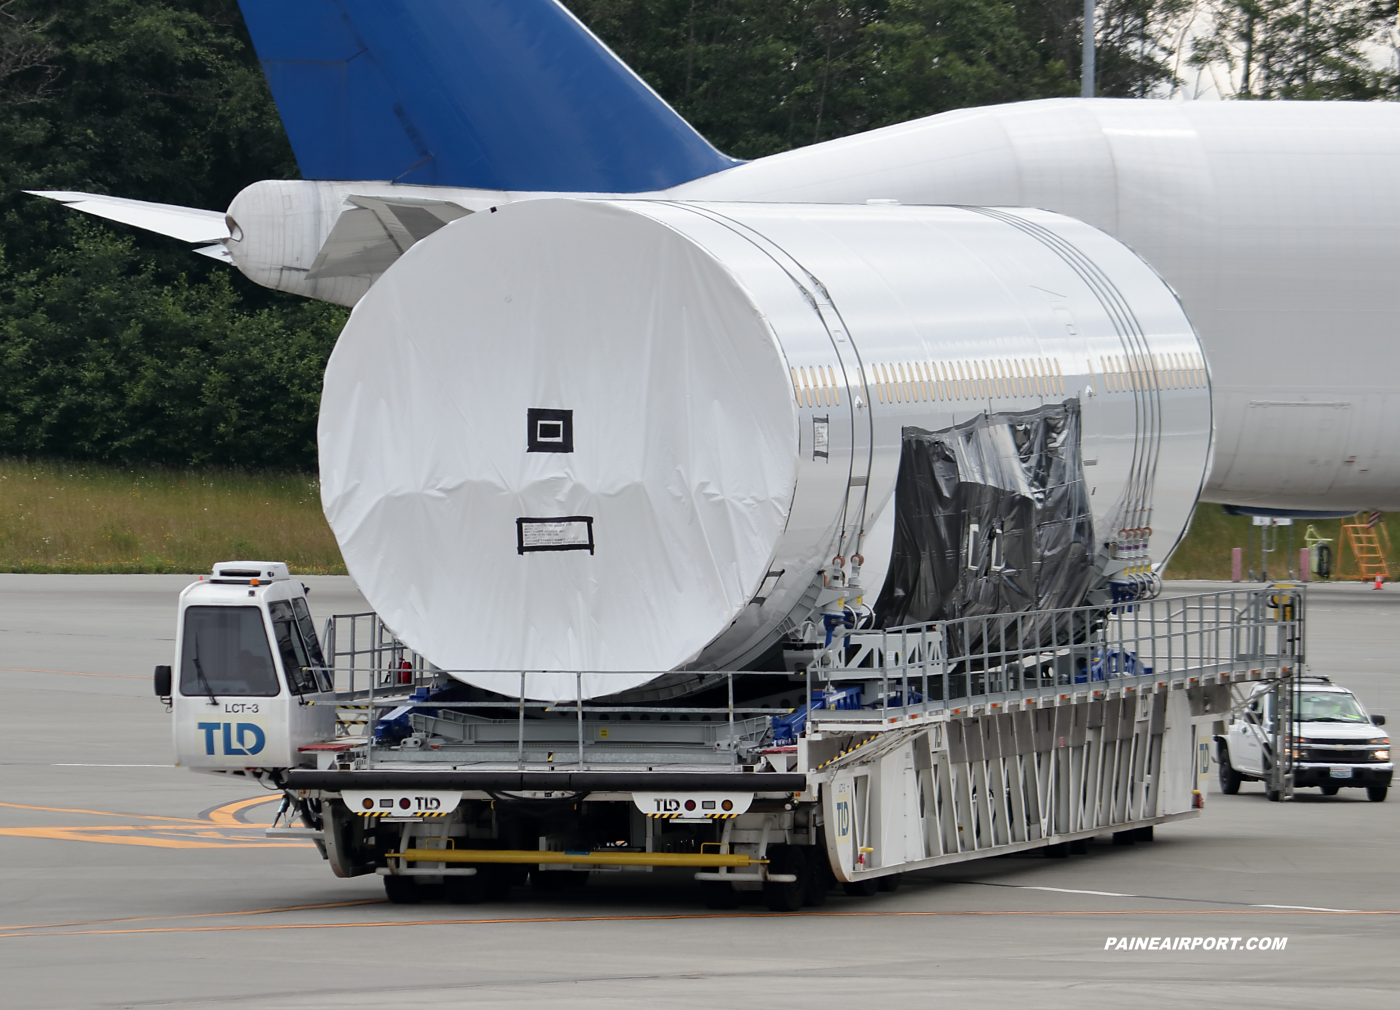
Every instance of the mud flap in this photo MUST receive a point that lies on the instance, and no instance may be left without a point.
(344, 836)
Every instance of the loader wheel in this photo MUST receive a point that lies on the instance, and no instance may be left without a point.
(786, 897)
(719, 895)
(458, 890)
(889, 884)
(499, 880)
(1229, 778)
(861, 888)
(819, 877)
(1273, 795)
(402, 890)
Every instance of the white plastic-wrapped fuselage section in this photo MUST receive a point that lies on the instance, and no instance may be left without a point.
(633, 436)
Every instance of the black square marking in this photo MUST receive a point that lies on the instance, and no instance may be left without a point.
(549, 430)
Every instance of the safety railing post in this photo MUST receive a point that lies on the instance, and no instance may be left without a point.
(520, 725)
(578, 694)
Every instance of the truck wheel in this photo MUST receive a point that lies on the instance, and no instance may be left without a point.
(719, 895)
(786, 897)
(458, 890)
(1273, 795)
(402, 890)
(499, 880)
(1376, 794)
(1229, 778)
(891, 883)
(819, 877)
(861, 888)
(1330, 790)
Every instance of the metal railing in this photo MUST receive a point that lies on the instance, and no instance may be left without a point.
(942, 667)
(952, 664)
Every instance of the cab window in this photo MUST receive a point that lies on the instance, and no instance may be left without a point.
(313, 645)
(296, 658)
(225, 653)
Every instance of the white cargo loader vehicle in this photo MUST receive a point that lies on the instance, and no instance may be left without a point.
(790, 544)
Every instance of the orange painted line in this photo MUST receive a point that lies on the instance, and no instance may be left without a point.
(77, 835)
(72, 673)
(670, 918)
(225, 814)
(101, 813)
(203, 915)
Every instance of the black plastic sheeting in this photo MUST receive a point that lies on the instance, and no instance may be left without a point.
(991, 517)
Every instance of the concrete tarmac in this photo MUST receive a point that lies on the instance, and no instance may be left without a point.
(125, 882)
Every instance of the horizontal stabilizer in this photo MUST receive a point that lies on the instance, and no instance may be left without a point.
(491, 94)
(188, 224)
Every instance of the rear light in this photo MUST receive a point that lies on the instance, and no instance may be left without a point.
(689, 805)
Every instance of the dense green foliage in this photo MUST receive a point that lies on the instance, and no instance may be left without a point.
(123, 346)
(760, 76)
(119, 345)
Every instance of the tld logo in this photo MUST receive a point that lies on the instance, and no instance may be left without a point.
(237, 738)
(664, 806)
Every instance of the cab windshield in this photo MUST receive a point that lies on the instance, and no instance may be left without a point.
(1330, 706)
(225, 653)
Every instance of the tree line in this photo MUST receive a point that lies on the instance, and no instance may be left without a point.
(119, 345)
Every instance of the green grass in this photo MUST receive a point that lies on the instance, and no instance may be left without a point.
(87, 517)
(92, 517)
(1205, 554)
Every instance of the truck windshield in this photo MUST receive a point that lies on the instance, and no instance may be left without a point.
(1330, 706)
(225, 652)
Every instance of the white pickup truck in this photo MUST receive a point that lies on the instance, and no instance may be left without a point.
(1336, 743)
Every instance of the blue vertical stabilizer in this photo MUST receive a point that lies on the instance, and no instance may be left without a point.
(495, 94)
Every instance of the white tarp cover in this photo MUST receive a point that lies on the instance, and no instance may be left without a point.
(649, 537)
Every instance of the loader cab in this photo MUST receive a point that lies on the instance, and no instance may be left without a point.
(248, 672)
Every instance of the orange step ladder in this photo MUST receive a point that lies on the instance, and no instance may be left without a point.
(1366, 538)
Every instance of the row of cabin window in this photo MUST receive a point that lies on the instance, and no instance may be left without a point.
(1166, 371)
(816, 385)
(910, 382)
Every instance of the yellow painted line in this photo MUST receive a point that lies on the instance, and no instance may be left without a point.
(203, 915)
(101, 813)
(226, 814)
(669, 918)
(81, 835)
(72, 673)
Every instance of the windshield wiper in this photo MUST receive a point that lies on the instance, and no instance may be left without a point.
(1330, 718)
(199, 674)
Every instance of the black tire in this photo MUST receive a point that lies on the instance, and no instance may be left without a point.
(1229, 778)
(402, 890)
(719, 895)
(556, 880)
(786, 897)
(1330, 790)
(1079, 847)
(460, 890)
(498, 880)
(1376, 794)
(820, 877)
(1060, 850)
(861, 888)
(889, 884)
(1273, 795)
(1124, 838)
(1143, 834)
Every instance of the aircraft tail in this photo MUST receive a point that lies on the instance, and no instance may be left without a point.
(489, 94)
